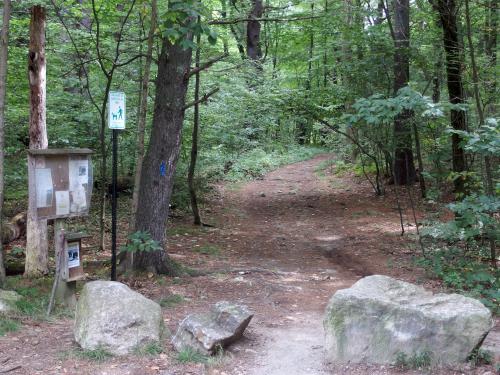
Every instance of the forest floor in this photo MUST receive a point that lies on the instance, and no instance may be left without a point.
(282, 245)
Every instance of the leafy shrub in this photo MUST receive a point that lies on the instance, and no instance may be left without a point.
(140, 242)
(7, 325)
(189, 355)
(171, 301)
(465, 274)
(416, 361)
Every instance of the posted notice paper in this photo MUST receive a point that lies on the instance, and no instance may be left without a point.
(62, 202)
(78, 200)
(78, 174)
(44, 188)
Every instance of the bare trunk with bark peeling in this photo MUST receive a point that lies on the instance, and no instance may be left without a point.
(36, 241)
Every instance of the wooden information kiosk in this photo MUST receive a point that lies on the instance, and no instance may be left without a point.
(62, 181)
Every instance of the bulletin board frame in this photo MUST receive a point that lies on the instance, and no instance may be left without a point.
(62, 182)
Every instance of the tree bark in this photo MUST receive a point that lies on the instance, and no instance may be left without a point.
(491, 53)
(325, 52)
(162, 154)
(477, 95)
(194, 142)
(436, 80)
(254, 51)
(404, 168)
(143, 111)
(36, 241)
(447, 10)
(311, 50)
(4, 43)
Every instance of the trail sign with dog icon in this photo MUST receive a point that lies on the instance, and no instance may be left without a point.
(116, 110)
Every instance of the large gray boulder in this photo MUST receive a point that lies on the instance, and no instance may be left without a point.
(379, 318)
(8, 299)
(111, 316)
(207, 333)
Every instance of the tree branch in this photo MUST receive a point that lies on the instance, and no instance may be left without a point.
(389, 20)
(204, 98)
(118, 65)
(207, 64)
(79, 55)
(238, 20)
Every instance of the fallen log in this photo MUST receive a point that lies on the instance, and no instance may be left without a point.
(14, 229)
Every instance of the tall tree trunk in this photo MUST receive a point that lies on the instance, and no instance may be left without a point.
(436, 79)
(225, 43)
(404, 168)
(311, 50)
(162, 154)
(36, 242)
(143, 111)
(254, 50)
(491, 53)
(325, 52)
(4, 43)
(194, 142)
(477, 95)
(447, 10)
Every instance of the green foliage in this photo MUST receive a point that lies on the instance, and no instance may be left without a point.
(480, 357)
(150, 349)
(181, 20)
(189, 355)
(465, 273)
(7, 325)
(417, 361)
(171, 301)
(484, 141)
(473, 219)
(140, 242)
(17, 251)
(96, 355)
(34, 307)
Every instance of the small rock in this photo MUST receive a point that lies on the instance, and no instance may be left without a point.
(491, 344)
(262, 195)
(224, 325)
(8, 299)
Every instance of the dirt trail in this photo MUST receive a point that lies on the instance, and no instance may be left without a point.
(313, 237)
(281, 245)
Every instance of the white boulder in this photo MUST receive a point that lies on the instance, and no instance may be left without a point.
(112, 317)
(379, 317)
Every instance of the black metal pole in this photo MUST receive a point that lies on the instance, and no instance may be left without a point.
(113, 206)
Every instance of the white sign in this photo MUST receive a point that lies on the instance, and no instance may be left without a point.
(116, 110)
(73, 255)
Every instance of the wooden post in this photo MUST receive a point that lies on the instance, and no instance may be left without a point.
(65, 292)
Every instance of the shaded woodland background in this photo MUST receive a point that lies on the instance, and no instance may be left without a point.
(405, 94)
